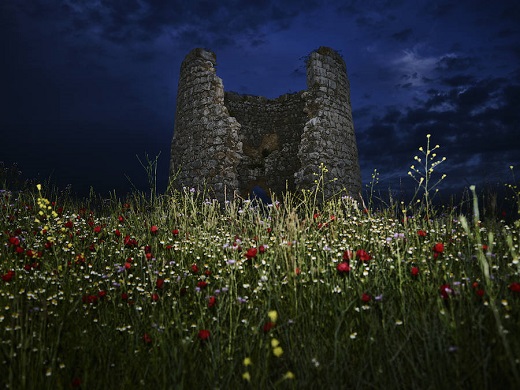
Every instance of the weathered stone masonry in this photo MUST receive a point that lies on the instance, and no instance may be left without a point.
(225, 141)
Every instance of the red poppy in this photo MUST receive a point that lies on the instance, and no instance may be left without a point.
(251, 252)
(194, 268)
(117, 233)
(155, 297)
(414, 271)
(445, 291)
(347, 255)
(130, 242)
(438, 249)
(366, 298)
(268, 326)
(421, 233)
(154, 229)
(362, 255)
(121, 219)
(90, 299)
(202, 284)
(97, 229)
(175, 232)
(297, 271)
(69, 224)
(343, 267)
(7, 277)
(203, 334)
(480, 292)
(262, 249)
(159, 283)
(124, 296)
(147, 338)
(514, 287)
(102, 294)
(14, 241)
(212, 301)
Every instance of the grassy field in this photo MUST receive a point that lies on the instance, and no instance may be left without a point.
(178, 291)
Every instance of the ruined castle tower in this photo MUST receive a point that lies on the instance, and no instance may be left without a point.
(224, 141)
(206, 147)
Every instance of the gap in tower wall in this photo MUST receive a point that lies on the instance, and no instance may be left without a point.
(270, 133)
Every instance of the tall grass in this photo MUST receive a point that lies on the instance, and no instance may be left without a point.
(179, 291)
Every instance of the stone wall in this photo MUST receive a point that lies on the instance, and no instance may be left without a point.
(224, 141)
(206, 149)
(270, 135)
(328, 136)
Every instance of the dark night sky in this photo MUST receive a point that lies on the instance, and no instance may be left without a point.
(88, 85)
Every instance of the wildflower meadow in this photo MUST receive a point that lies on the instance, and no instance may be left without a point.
(179, 291)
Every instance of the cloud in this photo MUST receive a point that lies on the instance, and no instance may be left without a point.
(403, 35)
(458, 80)
(135, 21)
(474, 120)
(413, 67)
(454, 62)
(439, 9)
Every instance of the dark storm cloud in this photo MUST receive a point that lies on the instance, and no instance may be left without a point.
(125, 21)
(455, 63)
(439, 9)
(476, 122)
(458, 80)
(403, 35)
(507, 32)
(511, 12)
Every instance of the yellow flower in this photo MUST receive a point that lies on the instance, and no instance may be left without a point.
(247, 362)
(278, 351)
(246, 376)
(274, 343)
(289, 375)
(273, 315)
(39, 187)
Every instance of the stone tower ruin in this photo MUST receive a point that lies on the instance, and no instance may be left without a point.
(226, 142)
